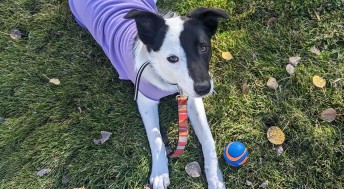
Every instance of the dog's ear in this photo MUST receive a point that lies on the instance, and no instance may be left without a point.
(151, 28)
(209, 17)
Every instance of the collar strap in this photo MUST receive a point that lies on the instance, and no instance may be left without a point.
(138, 78)
(183, 126)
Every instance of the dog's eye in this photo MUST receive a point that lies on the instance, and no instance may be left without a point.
(173, 59)
(203, 48)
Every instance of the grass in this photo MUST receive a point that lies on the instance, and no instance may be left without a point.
(44, 127)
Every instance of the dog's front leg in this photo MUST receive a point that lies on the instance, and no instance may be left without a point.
(200, 125)
(148, 108)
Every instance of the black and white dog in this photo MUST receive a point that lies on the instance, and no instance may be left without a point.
(179, 51)
(183, 58)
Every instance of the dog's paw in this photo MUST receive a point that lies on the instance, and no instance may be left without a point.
(159, 180)
(216, 183)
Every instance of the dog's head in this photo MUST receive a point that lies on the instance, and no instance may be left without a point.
(180, 47)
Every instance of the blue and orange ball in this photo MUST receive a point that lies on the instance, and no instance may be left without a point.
(235, 154)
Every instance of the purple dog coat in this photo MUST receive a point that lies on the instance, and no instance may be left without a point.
(104, 19)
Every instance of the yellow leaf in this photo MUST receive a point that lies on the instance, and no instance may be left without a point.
(275, 135)
(227, 55)
(55, 81)
(319, 81)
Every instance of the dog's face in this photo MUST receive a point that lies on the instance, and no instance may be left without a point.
(180, 47)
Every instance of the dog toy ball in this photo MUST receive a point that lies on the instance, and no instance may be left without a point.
(235, 154)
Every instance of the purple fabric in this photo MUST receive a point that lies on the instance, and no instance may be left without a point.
(104, 19)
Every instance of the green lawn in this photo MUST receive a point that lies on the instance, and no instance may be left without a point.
(50, 126)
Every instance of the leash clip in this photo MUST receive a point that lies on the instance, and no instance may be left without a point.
(181, 95)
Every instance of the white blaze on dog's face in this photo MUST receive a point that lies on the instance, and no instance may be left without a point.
(179, 48)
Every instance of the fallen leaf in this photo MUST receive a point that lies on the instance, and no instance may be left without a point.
(329, 115)
(319, 81)
(275, 135)
(245, 88)
(279, 150)
(294, 60)
(272, 83)
(227, 56)
(104, 137)
(147, 186)
(290, 69)
(15, 34)
(193, 169)
(315, 50)
(264, 184)
(55, 81)
(248, 183)
(43, 172)
(80, 188)
(272, 21)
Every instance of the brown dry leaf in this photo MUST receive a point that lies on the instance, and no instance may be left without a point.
(227, 56)
(104, 137)
(272, 21)
(290, 69)
(193, 169)
(329, 115)
(294, 60)
(315, 50)
(275, 135)
(319, 81)
(15, 34)
(55, 81)
(272, 83)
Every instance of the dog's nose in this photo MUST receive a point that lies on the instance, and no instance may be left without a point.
(202, 88)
